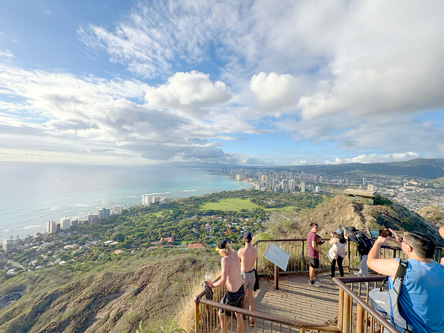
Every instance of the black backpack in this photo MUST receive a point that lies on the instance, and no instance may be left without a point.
(364, 243)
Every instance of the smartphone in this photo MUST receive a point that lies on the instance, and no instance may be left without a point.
(385, 233)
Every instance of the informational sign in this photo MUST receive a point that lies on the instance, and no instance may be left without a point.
(277, 256)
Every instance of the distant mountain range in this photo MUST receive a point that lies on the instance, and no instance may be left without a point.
(421, 167)
(424, 168)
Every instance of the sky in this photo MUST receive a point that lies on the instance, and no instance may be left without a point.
(235, 82)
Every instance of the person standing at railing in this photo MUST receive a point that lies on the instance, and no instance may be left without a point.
(248, 256)
(230, 276)
(363, 244)
(421, 299)
(313, 252)
(336, 254)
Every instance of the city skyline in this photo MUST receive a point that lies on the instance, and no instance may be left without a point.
(254, 83)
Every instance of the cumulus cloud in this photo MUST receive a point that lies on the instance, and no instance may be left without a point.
(81, 115)
(375, 158)
(190, 93)
(274, 92)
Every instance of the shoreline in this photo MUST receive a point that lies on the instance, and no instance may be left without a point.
(34, 228)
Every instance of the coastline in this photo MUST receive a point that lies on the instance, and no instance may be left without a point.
(47, 192)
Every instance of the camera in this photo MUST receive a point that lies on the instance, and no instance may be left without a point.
(385, 233)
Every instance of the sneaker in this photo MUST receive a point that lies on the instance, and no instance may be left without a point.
(311, 282)
(317, 284)
(357, 273)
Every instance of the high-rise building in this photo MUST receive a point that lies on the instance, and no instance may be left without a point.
(146, 200)
(8, 245)
(291, 184)
(51, 227)
(92, 218)
(370, 188)
(363, 180)
(104, 213)
(118, 209)
(65, 223)
(302, 187)
(317, 189)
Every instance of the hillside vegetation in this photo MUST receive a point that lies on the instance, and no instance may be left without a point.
(147, 290)
(433, 214)
(348, 211)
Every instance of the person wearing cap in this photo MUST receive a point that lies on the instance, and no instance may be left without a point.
(363, 247)
(248, 256)
(313, 252)
(230, 276)
(336, 254)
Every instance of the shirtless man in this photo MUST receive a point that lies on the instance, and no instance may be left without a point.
(231, 277)
(248, 256)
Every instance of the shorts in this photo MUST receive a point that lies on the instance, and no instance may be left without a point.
(314, 262)
(249, 279)
(233, 299)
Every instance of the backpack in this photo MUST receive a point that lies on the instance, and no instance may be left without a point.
(386, 301)
(364, 244)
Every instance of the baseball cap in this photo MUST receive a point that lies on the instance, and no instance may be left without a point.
(351, 229)
(339, 231)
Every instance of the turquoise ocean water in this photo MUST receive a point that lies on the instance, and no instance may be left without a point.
(32, 194)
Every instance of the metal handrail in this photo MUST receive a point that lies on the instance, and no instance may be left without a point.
(341, 283)
(265, 316)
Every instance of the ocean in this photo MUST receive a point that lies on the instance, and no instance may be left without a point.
(32, 194)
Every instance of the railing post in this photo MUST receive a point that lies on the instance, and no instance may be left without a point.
(302, 258)
(359, 319)
(346, 314)
(196, 323)
(340, 307)
(276, 277)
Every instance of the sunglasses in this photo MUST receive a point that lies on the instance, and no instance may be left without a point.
(403, 241)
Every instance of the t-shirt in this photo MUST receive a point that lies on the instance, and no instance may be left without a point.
(311, 252)
(421, 299)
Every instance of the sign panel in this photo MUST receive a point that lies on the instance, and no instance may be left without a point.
(277, 256)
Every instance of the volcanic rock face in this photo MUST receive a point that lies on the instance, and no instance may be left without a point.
(106, 302)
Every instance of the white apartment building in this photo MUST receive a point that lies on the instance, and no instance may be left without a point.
(104, 213)
(51, 227)
(8, 245)
(302, 187)
(146, 200)
(65, 223)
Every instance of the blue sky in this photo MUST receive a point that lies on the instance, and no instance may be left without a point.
(251, 82)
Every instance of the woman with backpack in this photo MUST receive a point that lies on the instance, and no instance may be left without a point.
(336, 254)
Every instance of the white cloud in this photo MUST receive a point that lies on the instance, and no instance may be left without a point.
(375, 158)
(274, 92)
(65, 114)
(7, 54)
(188, 92)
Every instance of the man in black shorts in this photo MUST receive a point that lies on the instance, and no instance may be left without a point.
(230, 275)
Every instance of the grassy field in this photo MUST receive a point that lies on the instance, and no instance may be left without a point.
(234, 204)
(231, 204)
